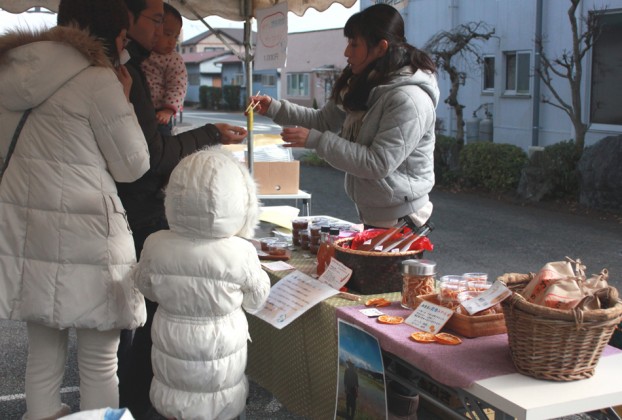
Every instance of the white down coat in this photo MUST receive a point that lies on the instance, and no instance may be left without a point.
(65, 247)
(202, 273)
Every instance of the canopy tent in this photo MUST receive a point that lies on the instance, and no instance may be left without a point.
(236, 10)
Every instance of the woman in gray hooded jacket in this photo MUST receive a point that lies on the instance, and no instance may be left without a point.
(378, 126)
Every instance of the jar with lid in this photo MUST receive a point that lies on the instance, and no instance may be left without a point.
(417, 279)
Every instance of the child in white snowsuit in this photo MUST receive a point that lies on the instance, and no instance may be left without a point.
(202, 272)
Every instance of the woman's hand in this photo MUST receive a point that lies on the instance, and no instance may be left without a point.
(126, 80)
(295, 136)
(260, 104)
(231, 134)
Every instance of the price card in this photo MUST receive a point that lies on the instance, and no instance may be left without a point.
(429, 317)
(336, 274)
(489, 298)
(371, 312)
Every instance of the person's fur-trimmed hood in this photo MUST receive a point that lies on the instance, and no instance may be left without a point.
(211, 194)
(34, 64)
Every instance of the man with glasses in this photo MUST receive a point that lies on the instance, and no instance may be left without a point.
(143, 199)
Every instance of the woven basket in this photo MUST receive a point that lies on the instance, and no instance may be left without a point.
(373, 272)
(555, 344)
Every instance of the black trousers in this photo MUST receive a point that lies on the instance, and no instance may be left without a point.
(135, 372)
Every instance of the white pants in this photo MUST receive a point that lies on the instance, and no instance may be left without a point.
(47, 355)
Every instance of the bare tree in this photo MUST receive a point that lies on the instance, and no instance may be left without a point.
(454, 47)
(569, 66)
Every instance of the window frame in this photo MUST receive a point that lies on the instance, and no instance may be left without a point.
(296, 92)
(517, 72)
(597, 77)
(487, 77)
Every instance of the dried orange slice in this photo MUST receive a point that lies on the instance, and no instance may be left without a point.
(390, 319)
(423, 337)
(377, 302)
(446, 338)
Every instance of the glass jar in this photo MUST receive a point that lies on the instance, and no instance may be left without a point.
(417, 280)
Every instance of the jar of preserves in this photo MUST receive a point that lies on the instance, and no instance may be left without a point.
(417, 279)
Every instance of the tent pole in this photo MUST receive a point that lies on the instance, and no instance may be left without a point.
(248, 67)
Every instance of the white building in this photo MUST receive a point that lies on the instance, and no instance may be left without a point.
(509, 86)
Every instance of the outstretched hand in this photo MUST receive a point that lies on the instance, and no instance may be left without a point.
(295, 136)
(260, 104)
(231, 134)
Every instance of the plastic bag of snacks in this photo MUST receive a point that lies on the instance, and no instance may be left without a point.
(563, 285)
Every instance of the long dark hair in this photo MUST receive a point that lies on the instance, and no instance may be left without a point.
(374, 24)
(104, 19)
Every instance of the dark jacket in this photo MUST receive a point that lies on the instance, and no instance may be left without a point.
(143, 199)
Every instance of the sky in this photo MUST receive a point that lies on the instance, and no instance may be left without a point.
(334, 17)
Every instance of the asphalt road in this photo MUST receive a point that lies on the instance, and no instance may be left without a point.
(473, 233)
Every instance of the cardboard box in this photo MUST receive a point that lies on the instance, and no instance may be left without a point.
(277, 177)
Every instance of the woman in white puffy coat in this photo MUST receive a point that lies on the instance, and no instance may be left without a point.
(65, 248)
(202, 272)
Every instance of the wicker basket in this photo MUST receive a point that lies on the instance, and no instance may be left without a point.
(554, 344)
(373, 272)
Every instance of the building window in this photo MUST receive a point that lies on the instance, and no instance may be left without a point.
(238, 80)
(606, 84)
(489, 74)
(517, 72)
(268, 80)
(298, 84)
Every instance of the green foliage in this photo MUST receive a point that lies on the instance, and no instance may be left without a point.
(492, 166)
(312, 159)
(445, 149)
(209, 97)
(560, 163)
(231, 95)
(315, 103)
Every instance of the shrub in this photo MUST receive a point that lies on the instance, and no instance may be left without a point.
(445, 171)
(560, 162)
(492, 166)
(231, 95)
(312, 159)
(209, 97)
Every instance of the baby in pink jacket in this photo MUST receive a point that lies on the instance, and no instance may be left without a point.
(165, 69)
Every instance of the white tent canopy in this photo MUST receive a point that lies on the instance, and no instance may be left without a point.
(237, 10)
(227, 9)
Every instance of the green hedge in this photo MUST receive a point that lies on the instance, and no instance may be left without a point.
(492, 166)
(559, 161)
(231, 95)
(210, 97)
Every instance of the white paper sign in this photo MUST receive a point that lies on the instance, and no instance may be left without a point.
(489, 298)
(429, 317)
(336, 274)
(371, 312)
(278, 266)
(271, 48)
(291, 297)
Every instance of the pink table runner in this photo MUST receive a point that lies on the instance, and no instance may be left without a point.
(455, 366)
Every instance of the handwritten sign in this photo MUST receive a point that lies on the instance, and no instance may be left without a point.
(336, 274)
(429, 317)
(272, 37)
(487, 299)
(291, 297)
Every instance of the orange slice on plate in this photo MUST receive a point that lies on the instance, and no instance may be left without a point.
(377, 302)
(446, 338)
(390, 319)
(423, 337)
